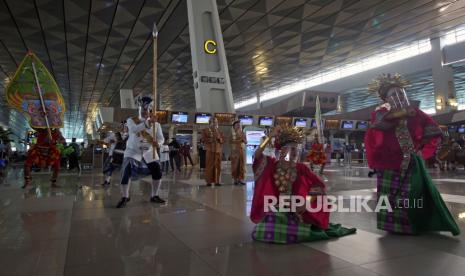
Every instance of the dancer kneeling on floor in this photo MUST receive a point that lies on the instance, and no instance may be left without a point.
(140, 148)
(287, 177)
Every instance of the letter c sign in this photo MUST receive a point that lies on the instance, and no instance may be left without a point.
(210, 47)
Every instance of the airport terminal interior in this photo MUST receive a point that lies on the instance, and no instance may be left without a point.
(200, 137)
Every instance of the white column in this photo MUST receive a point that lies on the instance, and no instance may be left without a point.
(210, 70)
(443, 78)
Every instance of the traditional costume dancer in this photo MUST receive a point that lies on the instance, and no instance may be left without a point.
(43, 154)
(317, 155)
(238, 142)
(114, 160)
(213, 139)
(34, 92)
(399, 138)
(280, 178)
(140, 148)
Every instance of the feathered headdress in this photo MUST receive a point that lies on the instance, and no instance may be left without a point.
(289, 135)
(383, 82)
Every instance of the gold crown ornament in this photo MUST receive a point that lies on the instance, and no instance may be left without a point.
(289, 135)
(383, 82)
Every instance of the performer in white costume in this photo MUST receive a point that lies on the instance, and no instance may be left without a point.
(139, 148)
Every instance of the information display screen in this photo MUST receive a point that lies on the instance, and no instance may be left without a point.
(461, 129)
(202, 118)
(362, 125)
(347, 124)
(300, 122)
(179, 117)
(265, 121)
(246, 120)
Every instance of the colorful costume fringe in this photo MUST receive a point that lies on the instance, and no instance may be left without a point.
(317, 155)
(44, 154)
(286, 228)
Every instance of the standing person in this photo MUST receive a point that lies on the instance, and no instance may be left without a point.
(328, 151)
(110, 142)
(202, 154)
(74, 156)
(238, 142)
(214, 140)
(186, 153)
(286, 176)
(348, 148)
(3, 156)
(399, 138)
(175, 155)
(115, 155)
(165, 157)
(141, 147)
(452, 157)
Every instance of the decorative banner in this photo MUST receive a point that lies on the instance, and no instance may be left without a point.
(22, 94)
(225, 118)
(319, 125)
(283, 121)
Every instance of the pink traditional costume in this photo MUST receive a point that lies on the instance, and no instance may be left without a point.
(398, 138)
(273, 178)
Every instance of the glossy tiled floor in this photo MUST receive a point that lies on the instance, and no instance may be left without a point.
(75, 230)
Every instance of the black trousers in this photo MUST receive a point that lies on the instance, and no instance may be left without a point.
(175, 158)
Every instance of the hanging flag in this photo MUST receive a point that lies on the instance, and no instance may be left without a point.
(23, 94)
(319, 122)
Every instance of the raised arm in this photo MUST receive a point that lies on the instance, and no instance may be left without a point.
(259, 152)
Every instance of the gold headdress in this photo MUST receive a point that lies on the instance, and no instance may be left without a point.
(289, 135)
(383, 82)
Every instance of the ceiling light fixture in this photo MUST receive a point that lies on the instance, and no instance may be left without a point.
(442, 9)
(446, 5)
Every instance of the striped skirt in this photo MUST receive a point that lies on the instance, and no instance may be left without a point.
(397, 190)
(416, 204)
(286, 228)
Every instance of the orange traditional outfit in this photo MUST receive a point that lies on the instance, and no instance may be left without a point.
(213, 145)
(317, 155)
(238, 142)
(44, 153)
